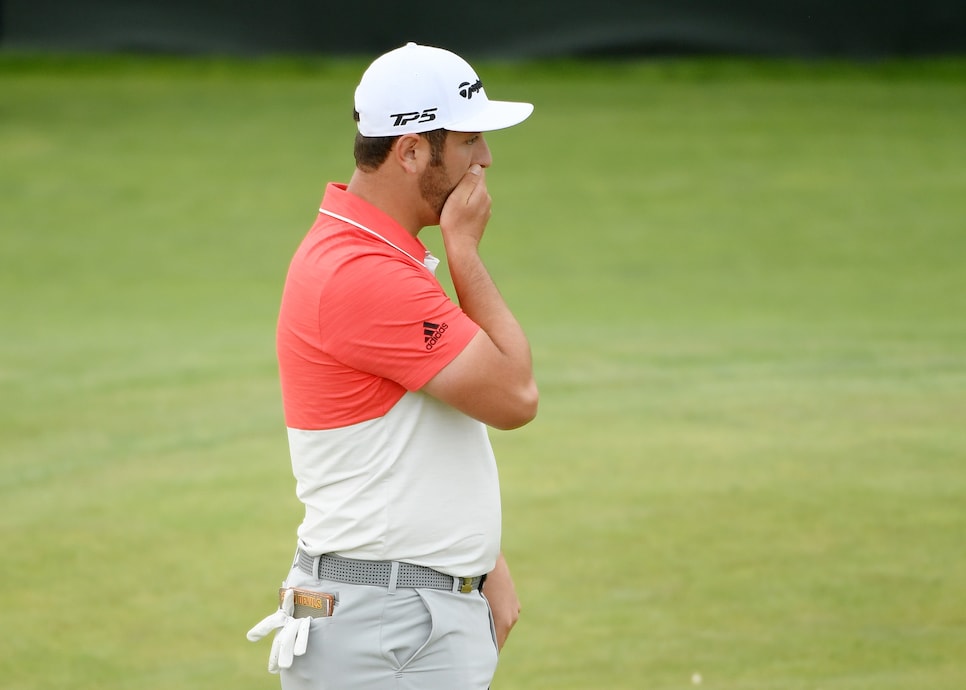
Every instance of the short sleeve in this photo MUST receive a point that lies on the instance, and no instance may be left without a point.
(391, 318)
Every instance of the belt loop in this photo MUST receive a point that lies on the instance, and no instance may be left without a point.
(393, 576)
(316, 565)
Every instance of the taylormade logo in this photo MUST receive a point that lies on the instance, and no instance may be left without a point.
(467, 90)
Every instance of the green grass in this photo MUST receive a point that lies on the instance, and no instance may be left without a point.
(745, 292)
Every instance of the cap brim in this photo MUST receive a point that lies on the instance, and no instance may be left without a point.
(496, 115)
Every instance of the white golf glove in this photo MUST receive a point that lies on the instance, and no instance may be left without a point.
(292, 636)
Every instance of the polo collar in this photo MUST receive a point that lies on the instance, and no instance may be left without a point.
(337, 200)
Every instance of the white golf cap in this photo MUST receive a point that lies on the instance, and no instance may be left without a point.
(417, 89)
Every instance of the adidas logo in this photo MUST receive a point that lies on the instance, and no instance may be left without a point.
(432, 332)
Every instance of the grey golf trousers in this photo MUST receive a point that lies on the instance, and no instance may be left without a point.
(407, 639)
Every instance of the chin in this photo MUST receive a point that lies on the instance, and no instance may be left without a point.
(433, 215)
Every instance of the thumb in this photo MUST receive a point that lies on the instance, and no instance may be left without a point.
(472, 181)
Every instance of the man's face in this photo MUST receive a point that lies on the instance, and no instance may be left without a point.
(462, 149)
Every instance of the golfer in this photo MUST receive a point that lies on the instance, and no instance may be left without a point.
(398, 581)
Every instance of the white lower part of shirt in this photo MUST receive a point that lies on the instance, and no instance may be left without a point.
(418, 484)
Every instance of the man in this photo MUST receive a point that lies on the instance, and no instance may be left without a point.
(388, 387)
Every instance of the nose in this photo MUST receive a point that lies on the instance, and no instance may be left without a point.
(483, 156)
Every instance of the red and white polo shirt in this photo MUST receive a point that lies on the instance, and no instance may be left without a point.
(385, 472)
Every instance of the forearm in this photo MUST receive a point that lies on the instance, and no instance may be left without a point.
(481, 300)
(492, 378)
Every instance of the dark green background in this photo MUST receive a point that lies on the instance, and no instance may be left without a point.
(497, 28)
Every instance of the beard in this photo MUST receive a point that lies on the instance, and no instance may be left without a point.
(435, 187)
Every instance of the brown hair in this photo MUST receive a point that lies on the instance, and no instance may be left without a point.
(371, 152)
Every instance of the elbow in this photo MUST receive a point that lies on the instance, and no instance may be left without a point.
(520, 409)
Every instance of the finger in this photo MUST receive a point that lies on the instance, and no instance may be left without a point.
(471, 182)
(288, 602)
(501, 635)
(302, 637)
(273, 656)
(266, 625)
(286, 643)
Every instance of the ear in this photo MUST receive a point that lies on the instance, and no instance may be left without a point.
(411, 152)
